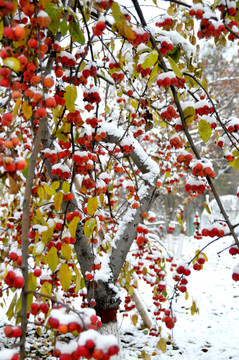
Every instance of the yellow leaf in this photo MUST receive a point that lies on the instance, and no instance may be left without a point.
(40, 217)
(55, 185)
(70, 97)
(78, 280)
(66, 252)
(131, 290)
(14, 186)
(41, 193)
(207, 208)
(16, 107)
(186, 296)
(121, 23)
(194, 309)
(58, 198)
(150, 59)
(66, 187)
(49, 190)
(12, 63)
(10, 311)
(92, 205)
(73, 226)
(174, 67)
(46, 289)
(89, 227)
(47, 235)
(153, 74)
(234, 163)
(65, 276)
(162, 345)
(27, 110)
(1, 29)
(189, 114)
(134, 319)
(52, 258)
(204, 130)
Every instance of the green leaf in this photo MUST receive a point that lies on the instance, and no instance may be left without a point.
(175, 54)
(174, 67)
(189, 114)
(73, 226)
(63, 27)
(49, 190)
(10, 311)
(150, 59)
(204, 130)
(70, 97)
(92, 205)
(58, 198)
(65, 276)
(89, 227)
(76, 33)
(52, 258)
(55, 14)
(66, 252)
(12, 63)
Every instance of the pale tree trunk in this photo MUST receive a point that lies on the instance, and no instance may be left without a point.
(111, 328)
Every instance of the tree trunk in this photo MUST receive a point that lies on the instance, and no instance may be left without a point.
(111, 328)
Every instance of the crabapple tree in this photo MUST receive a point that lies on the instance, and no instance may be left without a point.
(102, 110)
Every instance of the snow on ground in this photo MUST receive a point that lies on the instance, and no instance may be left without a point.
(213, 334)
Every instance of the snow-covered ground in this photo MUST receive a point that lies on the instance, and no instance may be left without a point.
(211, 334)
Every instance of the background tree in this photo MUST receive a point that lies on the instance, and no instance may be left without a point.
(100, 114)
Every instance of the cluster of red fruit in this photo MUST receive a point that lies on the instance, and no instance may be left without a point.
(6, 8)
(140, 37)
(37, 307)
(234, 250)
(92, 96)
(229, 7)
(142, 239)
(128, 305)
(164, 22)
(12, 331)
(202, 107)
(90, 345)
(13, 279)
(169, 319)
(118, 76)
(214, 230)
(197, 186)
(169, 114)
(165, 46)
(175, 142)
(74, 117)
(184, 157)
(203, 169)
(99, 28)
(61, 171)
(199, 261)
(210, 29)
(142, 71)
(167, 79)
